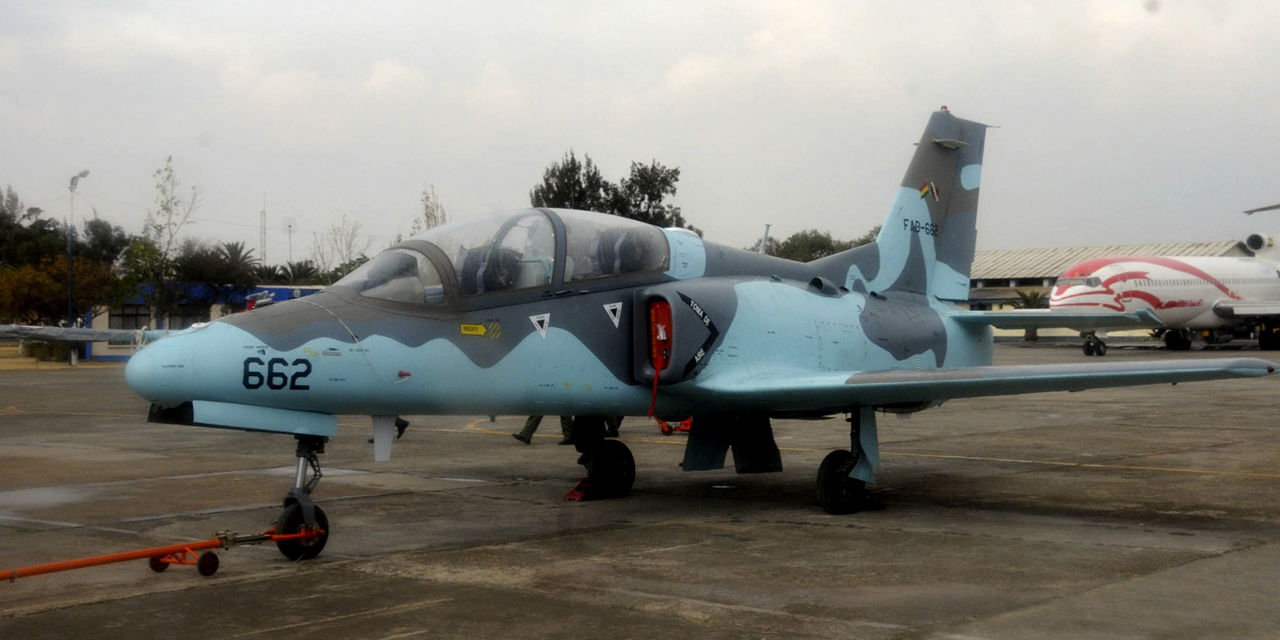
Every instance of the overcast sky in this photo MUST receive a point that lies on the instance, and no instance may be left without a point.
(1121, 121)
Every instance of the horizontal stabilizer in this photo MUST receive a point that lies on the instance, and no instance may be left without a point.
(775, 391)
(245, 417)
(1051, 319)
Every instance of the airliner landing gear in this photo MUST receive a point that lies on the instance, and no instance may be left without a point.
(838, 492)
(1269, 336)
(1177, 340)
(1094, 346)
(300, 514)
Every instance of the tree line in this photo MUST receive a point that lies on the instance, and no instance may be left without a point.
(165, 271)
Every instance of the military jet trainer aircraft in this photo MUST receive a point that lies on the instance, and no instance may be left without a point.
(558, 312)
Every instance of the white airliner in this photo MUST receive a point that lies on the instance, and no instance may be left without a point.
(1212, 298)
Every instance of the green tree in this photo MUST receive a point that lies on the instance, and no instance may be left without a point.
(302, 272)
(102, 242)
(571, 184)
(33, 294)
(1031, 299)
(642, 195)
(27, 238)
(811, 244)
(269, 274)
(207, 275)
(241, 266)
(148, 264)
(37, 293)
(33, 264)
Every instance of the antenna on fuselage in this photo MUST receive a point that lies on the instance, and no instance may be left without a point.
(764, 241)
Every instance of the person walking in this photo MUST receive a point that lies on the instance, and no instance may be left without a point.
(531, 425)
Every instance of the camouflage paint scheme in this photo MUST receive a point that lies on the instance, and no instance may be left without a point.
(754, 335)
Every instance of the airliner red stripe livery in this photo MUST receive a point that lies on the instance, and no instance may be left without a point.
(1216, 297)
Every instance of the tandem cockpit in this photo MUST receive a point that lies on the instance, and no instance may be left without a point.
(506, 258)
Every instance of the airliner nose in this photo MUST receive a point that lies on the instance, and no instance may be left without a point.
(161, 371)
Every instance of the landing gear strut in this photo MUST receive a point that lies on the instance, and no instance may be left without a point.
(300, 514)
(838, 491)
(1094, 346)
(611, 469)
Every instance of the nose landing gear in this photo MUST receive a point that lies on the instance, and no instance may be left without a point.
(301, 515)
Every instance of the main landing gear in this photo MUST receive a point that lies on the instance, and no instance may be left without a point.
(300, 514)
(611, 469)
(1177, 340)
(839, 492)
(1094, 346)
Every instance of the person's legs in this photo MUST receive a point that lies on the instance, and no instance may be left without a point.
(530, 426)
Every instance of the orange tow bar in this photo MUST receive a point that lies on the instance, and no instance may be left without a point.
(161, 557)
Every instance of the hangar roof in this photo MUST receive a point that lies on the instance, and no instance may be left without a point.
(1003, 264)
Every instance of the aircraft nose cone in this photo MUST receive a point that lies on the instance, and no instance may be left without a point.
(161, 372)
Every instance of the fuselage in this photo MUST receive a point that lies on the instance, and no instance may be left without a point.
(1182, 292)
(418, 330)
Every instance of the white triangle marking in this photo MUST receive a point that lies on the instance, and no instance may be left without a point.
(541, 322)
(614, 309)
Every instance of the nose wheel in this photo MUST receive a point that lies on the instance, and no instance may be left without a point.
(303, 523)
(292, 522)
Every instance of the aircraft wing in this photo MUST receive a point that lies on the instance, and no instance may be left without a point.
(779, 391)
(1048, 318)
(71, 334)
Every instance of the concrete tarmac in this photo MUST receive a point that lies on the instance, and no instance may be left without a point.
(1146, 512)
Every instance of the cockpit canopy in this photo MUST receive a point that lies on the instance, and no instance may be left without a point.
(511, 252)
(1082, 281)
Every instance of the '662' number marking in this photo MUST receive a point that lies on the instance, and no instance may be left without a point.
(279, 374)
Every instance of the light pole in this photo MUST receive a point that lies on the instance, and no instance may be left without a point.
(71, 271)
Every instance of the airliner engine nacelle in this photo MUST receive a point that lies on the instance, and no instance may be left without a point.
(1258, 242)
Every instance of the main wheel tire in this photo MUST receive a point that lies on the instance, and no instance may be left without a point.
(838, 493)
(1088, 347)
(291, 521)
(1177, 340)
(612, 469)
(1100, 349)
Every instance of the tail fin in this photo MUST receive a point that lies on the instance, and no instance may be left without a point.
(926, 245)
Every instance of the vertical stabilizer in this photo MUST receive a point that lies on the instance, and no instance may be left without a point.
(926, 244)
